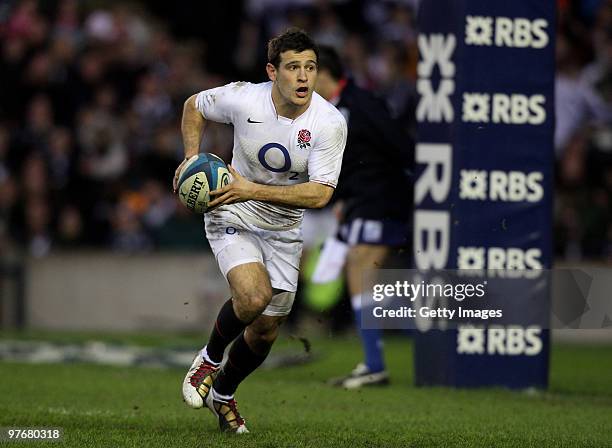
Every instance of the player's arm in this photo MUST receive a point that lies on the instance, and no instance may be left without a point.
(192, 126)
(324, 164)
(305, 195)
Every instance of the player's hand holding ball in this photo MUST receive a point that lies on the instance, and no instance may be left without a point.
(177, 173)
(238, 190)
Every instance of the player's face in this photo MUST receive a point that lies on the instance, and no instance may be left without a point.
(294, 80)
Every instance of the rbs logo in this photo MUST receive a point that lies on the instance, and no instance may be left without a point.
(506, 32)
(511, 186)
(432, 227)
(504, 109)
(434, 103)
(495, 340)
(470, 257)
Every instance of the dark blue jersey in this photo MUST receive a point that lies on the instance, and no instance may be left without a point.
(374, 182)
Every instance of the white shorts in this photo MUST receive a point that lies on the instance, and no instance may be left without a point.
(235, 241)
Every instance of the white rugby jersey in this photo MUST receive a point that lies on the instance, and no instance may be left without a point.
(274, 150)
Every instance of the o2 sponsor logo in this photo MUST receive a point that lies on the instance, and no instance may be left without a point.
(275, 157)
(273, 161)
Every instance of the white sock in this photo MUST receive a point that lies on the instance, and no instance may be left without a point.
(219, 397)
(204, 354)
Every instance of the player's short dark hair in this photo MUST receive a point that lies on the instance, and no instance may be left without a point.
(293, 39)
(330, 60)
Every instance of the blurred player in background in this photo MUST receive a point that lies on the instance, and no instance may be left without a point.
(374, 197)
(288, 146)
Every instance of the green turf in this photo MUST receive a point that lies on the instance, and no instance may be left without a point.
(292, 407)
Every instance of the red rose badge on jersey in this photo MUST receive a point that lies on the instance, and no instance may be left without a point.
(304, 138)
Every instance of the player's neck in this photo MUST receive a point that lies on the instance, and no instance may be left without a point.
(286, 109)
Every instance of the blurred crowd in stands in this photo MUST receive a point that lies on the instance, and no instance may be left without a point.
(91, 94)
(583, 135)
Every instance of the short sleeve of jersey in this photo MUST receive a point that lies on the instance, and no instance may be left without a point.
(325, 160)
(219, 104)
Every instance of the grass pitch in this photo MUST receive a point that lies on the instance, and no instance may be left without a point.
(101, 406)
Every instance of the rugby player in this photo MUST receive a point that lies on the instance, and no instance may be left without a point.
(374, 197)
(287, 155)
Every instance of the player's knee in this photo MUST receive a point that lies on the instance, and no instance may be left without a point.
(254, 301)
(264, 335)
(268, 337)
(259, 299)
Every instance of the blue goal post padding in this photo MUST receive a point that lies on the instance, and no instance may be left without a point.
(484, 177)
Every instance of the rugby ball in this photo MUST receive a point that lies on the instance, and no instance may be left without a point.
(201, 174)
